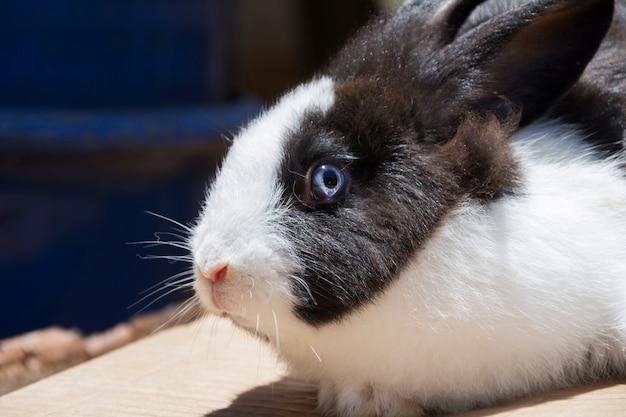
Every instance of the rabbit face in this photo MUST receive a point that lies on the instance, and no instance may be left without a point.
(322, 200)
(242, 225)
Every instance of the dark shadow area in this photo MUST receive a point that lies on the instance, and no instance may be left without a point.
(290, 397)
(285, 398)
(543, 398)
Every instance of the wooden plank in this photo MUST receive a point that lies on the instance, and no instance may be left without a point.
(211, 369)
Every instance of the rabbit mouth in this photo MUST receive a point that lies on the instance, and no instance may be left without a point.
(242, 322)
(215, 300)
(218, 303)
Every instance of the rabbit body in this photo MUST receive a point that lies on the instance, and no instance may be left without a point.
(502, 301)
(438, 220)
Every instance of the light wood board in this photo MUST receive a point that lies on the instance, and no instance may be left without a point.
(211, 369)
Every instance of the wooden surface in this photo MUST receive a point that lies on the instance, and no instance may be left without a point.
(35, 355)
(210, 369)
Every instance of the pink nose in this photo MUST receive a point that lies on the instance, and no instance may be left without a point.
(216, 274)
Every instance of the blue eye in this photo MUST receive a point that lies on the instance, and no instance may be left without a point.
(328, 183)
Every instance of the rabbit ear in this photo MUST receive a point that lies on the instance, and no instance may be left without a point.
(523, 59)
(527, 58)
(445, 17)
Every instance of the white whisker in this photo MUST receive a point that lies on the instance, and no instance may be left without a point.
(297, 173)
(174, 278)
(160, 297)
(187, 307)
(181, 238)
(250, 292)
(155, 243)
(276, 329)
(180, 313)
(321, 269)
(317, 355)
(183, 281)
(172, 258)
(184, 227)
(271, 289)
(305, 286)
(171, 287)
(227, 140)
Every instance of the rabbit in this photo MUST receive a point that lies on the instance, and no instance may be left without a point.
(436, 221)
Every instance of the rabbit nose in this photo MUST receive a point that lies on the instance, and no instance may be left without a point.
(216, 274)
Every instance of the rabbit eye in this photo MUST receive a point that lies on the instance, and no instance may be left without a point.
(327, 183)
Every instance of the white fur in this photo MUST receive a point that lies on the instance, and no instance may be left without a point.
(504, 300)
(238, 223)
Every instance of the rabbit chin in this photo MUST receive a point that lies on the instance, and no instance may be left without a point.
(497, 304)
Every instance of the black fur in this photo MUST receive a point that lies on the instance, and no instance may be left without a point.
(597, 102)
(424, 109)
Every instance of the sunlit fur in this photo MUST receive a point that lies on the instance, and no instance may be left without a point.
(479, 254)
(506, 299)
(241, 221)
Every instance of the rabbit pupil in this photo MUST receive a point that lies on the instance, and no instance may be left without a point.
(330, 179)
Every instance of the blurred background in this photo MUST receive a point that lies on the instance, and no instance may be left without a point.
(110, 109)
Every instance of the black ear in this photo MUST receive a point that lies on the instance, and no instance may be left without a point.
(524, 58)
